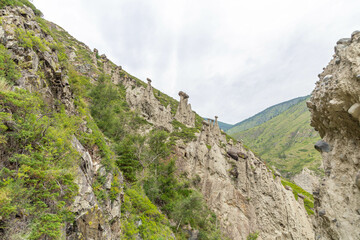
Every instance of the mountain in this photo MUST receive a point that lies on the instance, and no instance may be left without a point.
(285, 141)
(264, 116)
(89, 151)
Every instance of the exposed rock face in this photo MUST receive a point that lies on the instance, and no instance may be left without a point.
(184, 114)
(143, 99)
(243, 193)
(54, 84)
(93, 219)
(306, 180)
(334, 108)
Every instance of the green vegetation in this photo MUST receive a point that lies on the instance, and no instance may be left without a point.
(27, 39)
(141, 217)
(252, 236)
(27, 3)
(308, 200)
(183, 132)
(264, 116)
(286, 141)
(165, 100)
(8, 69)
(36, 181)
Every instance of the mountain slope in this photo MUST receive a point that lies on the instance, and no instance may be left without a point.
(90, 152)
(286, 141)
(264, 116)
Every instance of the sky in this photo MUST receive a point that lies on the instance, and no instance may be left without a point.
(234, 58)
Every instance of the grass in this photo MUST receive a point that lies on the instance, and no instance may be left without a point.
(286, 141)
(308, 200)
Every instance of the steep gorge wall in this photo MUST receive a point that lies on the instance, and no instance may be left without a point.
(243, 193)
(335, 112)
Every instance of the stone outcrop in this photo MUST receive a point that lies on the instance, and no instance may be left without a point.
(307, 180)
(334, 108)
(184, 114)
(93, 220)
(53, 84)
(243, 193)
(151, 109)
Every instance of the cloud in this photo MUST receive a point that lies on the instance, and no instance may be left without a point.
(234, 58)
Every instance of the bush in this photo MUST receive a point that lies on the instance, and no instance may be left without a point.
(8, 69)
(37, 178)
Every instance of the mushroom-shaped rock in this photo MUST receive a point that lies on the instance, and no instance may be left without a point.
(322, 146)
(183, 95)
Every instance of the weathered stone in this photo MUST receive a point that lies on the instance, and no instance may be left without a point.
(301, 196)
(357, 180)
(335, 114)
(233, 154)
(354, 110)
(327, 78)
(344, 41)
(322, 212)
(307, 179)
(322, 146)
(355, 33)
(184, 114)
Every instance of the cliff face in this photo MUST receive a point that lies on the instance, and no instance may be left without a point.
(241, 190)
(35, 52)
(334, 107)
(237, 186)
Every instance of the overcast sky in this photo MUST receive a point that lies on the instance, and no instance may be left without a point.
(233, 57)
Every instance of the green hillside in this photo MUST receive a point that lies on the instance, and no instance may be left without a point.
(264, 116)
(286, 141)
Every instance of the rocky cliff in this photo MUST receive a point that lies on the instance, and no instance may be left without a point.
(52, 148)
(334, 107)
(241, 190)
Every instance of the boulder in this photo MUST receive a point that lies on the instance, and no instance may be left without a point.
(322, 146)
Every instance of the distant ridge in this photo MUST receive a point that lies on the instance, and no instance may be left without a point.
(264, 116)
(285, 141)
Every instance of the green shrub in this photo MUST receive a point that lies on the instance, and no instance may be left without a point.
(37, 180)
(182, 132)
(8, 69)
(252, 236)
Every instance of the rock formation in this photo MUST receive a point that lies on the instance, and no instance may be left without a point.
(334, 108)
(307, 180)
(143, 99)
(236, 185)
(184, 114)
(243, 193)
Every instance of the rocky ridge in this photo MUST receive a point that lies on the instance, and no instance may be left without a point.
(334, 108)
